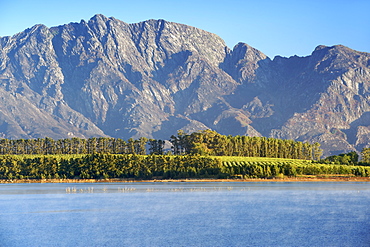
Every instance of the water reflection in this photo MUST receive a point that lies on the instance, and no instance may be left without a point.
(75, 188)
(185, 214)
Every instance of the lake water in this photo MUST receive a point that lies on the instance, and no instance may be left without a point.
(185, 214)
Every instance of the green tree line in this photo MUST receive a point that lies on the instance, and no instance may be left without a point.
(44, 146)
(210, 142)
(98, 166)
(130, 166)
(351, 158)
(205, 142)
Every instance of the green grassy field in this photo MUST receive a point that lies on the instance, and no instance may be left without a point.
(224, 159)
(259, 159)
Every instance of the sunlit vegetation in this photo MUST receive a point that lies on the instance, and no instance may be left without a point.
(44, 146)
(209, 142)
(129, 166)
(99, 166)
(272, 168)
(205, 142)
(204, 154)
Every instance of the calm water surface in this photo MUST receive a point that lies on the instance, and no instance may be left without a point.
(185, 214)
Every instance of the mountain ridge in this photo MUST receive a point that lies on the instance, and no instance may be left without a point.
(104, 77)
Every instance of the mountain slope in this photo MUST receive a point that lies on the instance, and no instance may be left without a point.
(105, 77)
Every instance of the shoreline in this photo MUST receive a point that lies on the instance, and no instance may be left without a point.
(287, 179)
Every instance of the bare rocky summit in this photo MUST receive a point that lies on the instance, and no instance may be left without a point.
(105, 77)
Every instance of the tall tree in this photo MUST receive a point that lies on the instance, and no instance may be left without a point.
(365, 153)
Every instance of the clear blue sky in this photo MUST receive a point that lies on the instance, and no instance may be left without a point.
(275, 27)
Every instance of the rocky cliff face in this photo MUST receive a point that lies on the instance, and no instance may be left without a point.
(105, 77)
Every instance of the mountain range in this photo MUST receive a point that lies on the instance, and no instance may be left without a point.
(105, 77)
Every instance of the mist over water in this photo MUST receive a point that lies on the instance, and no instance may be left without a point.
(185, 214)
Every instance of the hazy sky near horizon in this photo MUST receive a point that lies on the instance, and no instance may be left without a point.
(280, 27)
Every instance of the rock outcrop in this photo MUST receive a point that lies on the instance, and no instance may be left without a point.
(105, 77)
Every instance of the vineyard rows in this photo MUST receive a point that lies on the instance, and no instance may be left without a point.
(130, 166)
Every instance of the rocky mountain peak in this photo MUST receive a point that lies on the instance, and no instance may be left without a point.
(243, 62)
(169, 38)
(105, 77)
(99, 18)
(246, 52)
